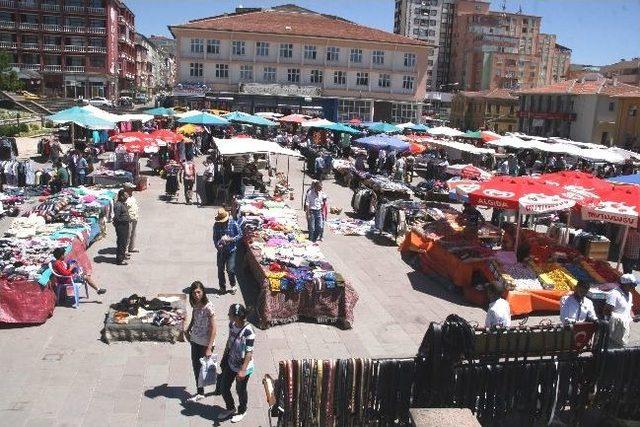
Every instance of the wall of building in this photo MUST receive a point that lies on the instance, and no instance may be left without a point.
(627, 133)
(585, 108)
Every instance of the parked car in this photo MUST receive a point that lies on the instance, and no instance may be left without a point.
(100, 101)
(125, 102)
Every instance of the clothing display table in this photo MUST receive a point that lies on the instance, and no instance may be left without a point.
(295, 280)
(161, 319)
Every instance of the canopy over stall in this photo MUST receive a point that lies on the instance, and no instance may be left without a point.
(161, 111)
(240, 117)
(316, 123)
(81, 117)
(166, 135)
(473, 134)
(382, 127)
(487, 135)
(340, 128)
(294, 118)
(383, 142)
(207, 119)
(445, 131)
(241, 146)
(627, 179)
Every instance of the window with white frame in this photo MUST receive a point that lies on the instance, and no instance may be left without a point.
(310, 52)
(286, 50)
(362, 79)
(293, 75)
(407, 82)
(213, 47)
(384, 80)
(246, 72)
(269, 74)
(237, 48)
(354, 109)
(402, 113)
(222, 71)
(315, 76)
(197, 46)
(339, 78)
(409, 59)
(378, 57)
(262, 49)
(333, 53)
(195, 69)
(356, 56)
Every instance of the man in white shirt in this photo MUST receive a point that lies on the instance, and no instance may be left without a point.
(620, 309)
(499, 312)
(315, 206)
(132, 208)
(577, 307)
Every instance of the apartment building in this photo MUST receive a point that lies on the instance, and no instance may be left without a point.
(584, 109)
(495, 109)
(78, 47)
(627, 133)
(626, 71)
(291, 59)
(492, 49)
(154, 67)
(432, 22)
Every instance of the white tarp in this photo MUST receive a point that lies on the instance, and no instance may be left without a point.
(116, 117)
(135, 117)
(406, 125)
(513, 142)
(188, 114)
(316, 122)
(460, 146)
(240, 146)
(445, 131)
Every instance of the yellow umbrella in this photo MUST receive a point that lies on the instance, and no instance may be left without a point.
(189, 129)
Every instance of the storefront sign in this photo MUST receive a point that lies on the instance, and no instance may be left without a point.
(280, 90)
(547, 116)
(596, 215)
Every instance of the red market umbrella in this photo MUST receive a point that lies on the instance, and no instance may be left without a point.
(140, 147)
(487, 136)
(474, 172)
(294, 118)
(166, 135)
(582, 187)
(524, 194)
(125, 137)
(621, 205)
(416, 148)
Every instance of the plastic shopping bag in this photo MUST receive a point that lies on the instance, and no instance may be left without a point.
(208, 371)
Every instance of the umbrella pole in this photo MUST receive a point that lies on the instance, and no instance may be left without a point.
(566, 228)
(515, 245)
(621, 251)
(288, 167)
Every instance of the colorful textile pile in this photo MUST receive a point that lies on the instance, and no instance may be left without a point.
(350, 226)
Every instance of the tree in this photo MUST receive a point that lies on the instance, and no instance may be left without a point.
(8, 77)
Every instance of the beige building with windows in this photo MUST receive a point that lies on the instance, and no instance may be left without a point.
(290, 59)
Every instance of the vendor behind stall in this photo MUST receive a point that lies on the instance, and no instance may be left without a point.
(472, 216)
(72, 270)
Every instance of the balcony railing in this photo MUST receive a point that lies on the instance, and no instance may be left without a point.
(32, 67)
(28, 26)
(52, 27)
(74, 48)
(7, 3)
(72, 29)
(96, 49)
(50, 7)
(74, 9)
(74, 69)
(53, 47)
(96, 10)
(28, 4)
(7, 24)
(30, 45)
(8, 45)
(96, 30)
(52, 68)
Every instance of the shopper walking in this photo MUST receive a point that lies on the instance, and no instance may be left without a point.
(188, 180)
(226, 235)
(315, 207)
(121, 222)
(201, 332)
(237, 363)
(81, 170)
(134, 212)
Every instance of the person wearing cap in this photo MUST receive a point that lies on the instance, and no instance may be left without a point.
(619, 308)
(226, 235)
(499, 312)
(237, 363)
(315, 207)
(132, 208)
(577, 307)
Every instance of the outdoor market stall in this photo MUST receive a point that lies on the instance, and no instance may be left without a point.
(72, 219)
(295, 280)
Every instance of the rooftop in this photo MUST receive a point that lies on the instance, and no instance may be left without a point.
(491, 94)
(295, 21)
(590, 84)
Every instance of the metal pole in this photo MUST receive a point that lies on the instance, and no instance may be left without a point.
(567, 226)
(621, 251)
(515, 245)
(304, 175)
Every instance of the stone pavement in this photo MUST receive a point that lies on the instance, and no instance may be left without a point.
(61, 373)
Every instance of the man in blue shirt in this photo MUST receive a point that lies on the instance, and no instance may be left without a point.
(226, 235)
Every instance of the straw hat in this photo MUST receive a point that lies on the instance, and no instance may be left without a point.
(222, 215)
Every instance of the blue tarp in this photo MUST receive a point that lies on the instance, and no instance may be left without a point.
(339, 127)
(383, 141)
(382, 127)
(240, 117)
(626, 179)
(160, 111)
(207, 119)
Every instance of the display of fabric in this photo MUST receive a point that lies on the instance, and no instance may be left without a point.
(349, 226)
(297, 281)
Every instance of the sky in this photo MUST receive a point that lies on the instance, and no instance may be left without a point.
(599, 32)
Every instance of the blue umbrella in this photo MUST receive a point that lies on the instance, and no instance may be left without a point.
(383, 142)
(81, 117)
(339, 127)
(205, 119)
(627, 179)
(419, 128)
(382, 127)
(240, 117)
(161, 111)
